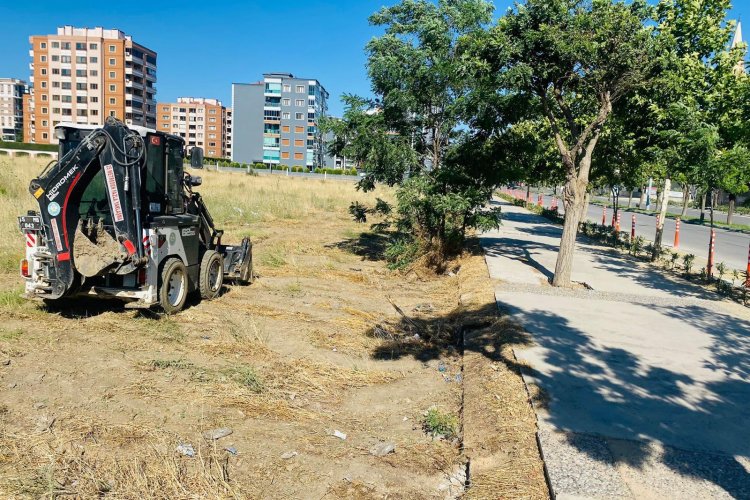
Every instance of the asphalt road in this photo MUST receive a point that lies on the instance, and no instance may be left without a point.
(731, 246)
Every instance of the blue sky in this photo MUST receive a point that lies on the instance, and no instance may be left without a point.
(205, 46)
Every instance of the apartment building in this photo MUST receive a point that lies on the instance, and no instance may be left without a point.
(83, 75)
(276, 121)
(228, 133)
(200, 121)
(11, 108)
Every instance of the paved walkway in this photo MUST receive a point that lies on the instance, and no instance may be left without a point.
(646, 379)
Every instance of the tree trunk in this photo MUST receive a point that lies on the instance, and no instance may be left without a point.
(642, 201)
(585, 207)
(528, 192)
(574, 200)
(730, 210)
(662, 216)
(685, 199)
(659, 196)
(630, 198)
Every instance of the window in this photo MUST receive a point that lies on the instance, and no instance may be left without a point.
(55, 71)
(287, 88)
(285, 155)
(80, 46)
(44, 97)
(112, 74)
(299, 143)
(299, 116)
(67, 98)
(311, 90)
(55, 97)
(43, 45)
(43, 58)
(80, 60)
(81, 99)
(112, 48)
(55, 45)
(113, 88)
(299, 156)
(300, 89)
(111, 61)
(112, 100)
(311, 117)
(93, 99)
(299, 130)
(285, 129)
(44, 71)
(80, 86)
(285, 142)
(44, 84)
(55, 85)
(165, 117)
(286, 102)
(56, 110)
(93, 46)
(44, 135)
(286, 115)
(94, 112)
(65, 45)
(94, 86)
(81, 112)
(93, 72)
(273, 88)
(300, 102)
(211, 112)
(55, 58)
(44, 111)
(81, 72)
(44, 123)
(93, 60)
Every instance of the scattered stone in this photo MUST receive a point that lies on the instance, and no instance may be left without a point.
(292, 396)
(288, 455)
(383, 448)
(424, 308)
(231, 449)
(339, 434)
(6, 362)
(12, 385)
(39, 406)
(334, 349)
(205, 337)
(458, 378)
(186, 450)
(441, 367)
(45, 423)
(215, 434)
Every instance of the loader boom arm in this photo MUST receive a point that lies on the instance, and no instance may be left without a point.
(116, 152)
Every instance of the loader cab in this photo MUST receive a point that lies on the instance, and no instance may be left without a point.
(163, 190)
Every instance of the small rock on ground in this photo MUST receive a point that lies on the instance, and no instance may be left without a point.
(383, 448)
(215, 434)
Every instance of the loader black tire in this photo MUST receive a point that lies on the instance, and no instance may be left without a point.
(211, 276)
(173, 287)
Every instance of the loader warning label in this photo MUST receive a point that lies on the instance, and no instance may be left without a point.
(56, 234)
(114, 195)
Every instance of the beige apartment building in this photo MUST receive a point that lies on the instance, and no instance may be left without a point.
(11, 108)
(83, 75)
(200, 121)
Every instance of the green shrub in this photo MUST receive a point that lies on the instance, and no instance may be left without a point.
(687, 262)
(318, 170)
(28, 146)
(401, 253)
(438, 423)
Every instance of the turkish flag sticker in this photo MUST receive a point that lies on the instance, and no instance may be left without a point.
(155, 140)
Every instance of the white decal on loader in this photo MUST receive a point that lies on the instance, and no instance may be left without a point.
(188, 231)
(109, 175)
(55, 190)
(56, 233)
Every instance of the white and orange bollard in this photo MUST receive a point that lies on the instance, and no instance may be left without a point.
(632, 228)
(711, 248)
(617, 224)
(677, 233)
(604, 216)
(747, 272)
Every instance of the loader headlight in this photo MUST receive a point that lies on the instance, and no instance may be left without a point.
(60, 133)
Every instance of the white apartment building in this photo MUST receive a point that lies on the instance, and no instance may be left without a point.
(11, 108)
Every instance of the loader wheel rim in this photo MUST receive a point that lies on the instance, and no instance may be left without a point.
(214, 275)
(176, 287)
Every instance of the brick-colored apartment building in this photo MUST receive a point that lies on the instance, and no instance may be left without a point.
(83, 75)
(203, 123)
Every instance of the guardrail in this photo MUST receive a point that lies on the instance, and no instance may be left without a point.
(26, 152)
(284, 173)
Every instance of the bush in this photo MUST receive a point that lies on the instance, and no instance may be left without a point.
(318, 170)
(438, 423)
(28, 146)
(260, 166)
(401, 253)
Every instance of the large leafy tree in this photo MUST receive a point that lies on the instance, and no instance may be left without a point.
(410, 133)
(573, 60)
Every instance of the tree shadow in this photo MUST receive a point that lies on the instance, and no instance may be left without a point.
(610, 387)
(368, 245)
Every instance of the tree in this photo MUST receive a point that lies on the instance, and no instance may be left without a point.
(410, 134)
(573, 60)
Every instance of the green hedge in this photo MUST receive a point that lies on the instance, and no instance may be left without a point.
(25, 146)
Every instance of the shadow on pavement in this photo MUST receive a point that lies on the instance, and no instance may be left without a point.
(611, 390)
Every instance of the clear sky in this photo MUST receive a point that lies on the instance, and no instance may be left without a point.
(203, 47)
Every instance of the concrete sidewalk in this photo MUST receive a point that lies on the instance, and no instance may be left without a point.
(646, 379)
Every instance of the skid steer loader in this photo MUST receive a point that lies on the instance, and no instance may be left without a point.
(118, 218)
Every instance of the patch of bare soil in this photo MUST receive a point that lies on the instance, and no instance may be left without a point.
(96, 400)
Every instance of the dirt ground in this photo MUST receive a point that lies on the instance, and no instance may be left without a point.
(99, 400)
